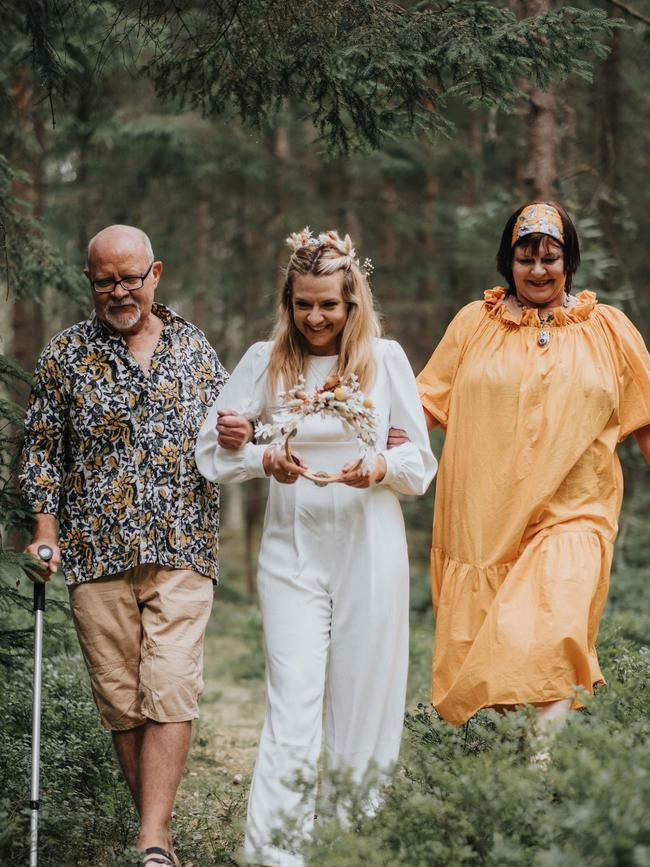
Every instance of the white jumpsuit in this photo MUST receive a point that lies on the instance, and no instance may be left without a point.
(333, 583)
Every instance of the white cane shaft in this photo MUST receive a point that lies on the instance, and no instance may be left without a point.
(36, 736)
(33, 843)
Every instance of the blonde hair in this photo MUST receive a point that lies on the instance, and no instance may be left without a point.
(321, 257)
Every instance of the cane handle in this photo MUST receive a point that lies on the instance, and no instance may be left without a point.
(45, 553)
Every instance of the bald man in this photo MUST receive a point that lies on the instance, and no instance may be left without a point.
(108, 469)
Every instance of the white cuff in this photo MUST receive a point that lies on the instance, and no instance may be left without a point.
(254, 460)
(392, 467)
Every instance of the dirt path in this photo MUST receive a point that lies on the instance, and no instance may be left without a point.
(211, 802)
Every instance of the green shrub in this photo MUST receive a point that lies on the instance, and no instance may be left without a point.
(471, 795)
(85, 807)
(210, 832)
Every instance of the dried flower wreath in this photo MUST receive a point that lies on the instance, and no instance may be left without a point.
(344, 401)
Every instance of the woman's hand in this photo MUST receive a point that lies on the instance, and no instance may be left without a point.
(353, 474)
(283, 470)
(234, 429)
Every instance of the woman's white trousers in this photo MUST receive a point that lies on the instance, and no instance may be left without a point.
(333, 587)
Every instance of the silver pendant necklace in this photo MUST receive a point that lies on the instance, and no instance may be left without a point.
(544, 335)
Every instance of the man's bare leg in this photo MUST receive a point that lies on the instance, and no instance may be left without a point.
(162, 758)
(128, 746)
(152, 758)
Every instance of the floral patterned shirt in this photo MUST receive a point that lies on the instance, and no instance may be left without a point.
(109, 449)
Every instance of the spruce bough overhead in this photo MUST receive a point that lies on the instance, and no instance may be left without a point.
(360, 72)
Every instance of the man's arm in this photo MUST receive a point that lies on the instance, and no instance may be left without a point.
(42, 458)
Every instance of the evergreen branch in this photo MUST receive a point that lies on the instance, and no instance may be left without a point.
(629, 11)
(184, 25)
(99, 62)
(228, 24)
(363, 72)
(15, 566)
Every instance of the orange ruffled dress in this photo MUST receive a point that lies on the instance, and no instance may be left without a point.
(528, 496)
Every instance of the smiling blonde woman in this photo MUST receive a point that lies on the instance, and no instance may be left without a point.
(333, 574)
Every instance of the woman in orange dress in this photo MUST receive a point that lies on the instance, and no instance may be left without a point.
(534, 387)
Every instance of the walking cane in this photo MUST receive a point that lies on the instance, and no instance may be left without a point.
(46, 554)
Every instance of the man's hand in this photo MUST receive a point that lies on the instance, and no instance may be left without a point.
(396, 437)
(286, 472)
(46, 569)
(45, 533)
(353, 475)
(234, 429)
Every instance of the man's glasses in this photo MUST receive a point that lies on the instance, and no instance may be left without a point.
(130, 282)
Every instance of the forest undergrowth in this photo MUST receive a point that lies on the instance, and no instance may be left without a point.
(460, 796)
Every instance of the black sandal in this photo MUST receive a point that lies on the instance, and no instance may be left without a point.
(158, 855)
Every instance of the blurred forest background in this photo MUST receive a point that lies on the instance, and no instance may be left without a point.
(219, 127)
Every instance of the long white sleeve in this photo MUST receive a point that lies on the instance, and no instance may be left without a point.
(410, 467)
(244, 393)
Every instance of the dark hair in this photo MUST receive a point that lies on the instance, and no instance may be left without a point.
(570, 246)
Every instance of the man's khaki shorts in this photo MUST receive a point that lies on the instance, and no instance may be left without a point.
(141, 634)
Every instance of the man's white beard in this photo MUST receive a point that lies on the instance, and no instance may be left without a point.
(123, 323)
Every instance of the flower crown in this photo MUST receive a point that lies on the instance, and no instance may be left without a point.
(331, 238)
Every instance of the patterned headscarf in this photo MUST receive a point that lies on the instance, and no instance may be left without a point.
(538, 217)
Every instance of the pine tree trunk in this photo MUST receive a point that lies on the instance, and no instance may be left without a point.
(540, 172)
(27, 328)
(472, 191)
(421, 332)
(27, 314)
(609, 109)
(541, 178)
(570, 168)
